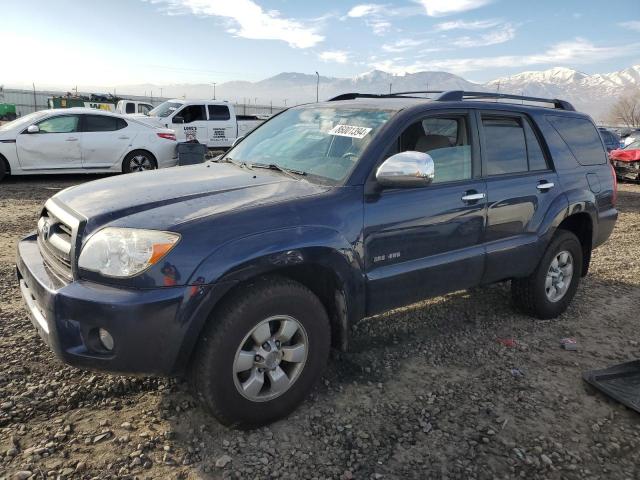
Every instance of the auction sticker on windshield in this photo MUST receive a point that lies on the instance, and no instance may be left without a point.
(349, 131)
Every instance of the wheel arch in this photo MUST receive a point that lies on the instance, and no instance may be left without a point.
(581, 225)
(330, 273)
(4, 163)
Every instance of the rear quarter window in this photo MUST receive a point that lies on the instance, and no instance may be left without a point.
(582, 138)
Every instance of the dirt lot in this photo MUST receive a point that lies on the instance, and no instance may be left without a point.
(427, 391)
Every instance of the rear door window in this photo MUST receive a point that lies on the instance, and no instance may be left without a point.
(219, 112)
(581, 137)
(537, 159)
(103, 123)
(130, 108)
(505, 147)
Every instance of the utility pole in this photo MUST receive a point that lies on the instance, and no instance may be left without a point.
(160, 92)
(271, 107)
(285, 103)
(317, 87)
(35, 103)
(214, 90)
(390, 88)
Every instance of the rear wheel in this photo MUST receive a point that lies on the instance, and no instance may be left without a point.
(262, 352)
(138, 161)
(548, 291)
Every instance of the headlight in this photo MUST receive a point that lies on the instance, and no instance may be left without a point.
(125, 252)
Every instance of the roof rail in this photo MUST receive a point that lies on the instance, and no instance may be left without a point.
(458, 96)
(354, 95)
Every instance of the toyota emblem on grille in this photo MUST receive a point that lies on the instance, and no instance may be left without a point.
(46, 230)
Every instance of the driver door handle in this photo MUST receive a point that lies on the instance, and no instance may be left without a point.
(544, 186)
(72, 139)
(473, 197)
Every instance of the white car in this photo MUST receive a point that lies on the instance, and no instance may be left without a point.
(83, 140)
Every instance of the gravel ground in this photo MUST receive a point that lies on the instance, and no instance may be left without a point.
(426, 392)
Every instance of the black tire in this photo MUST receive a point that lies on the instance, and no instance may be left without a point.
(212, 375)
(128, 164)
(529, 294)
(4, 168)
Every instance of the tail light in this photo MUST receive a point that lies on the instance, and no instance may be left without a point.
(168, 136)
(614, 197)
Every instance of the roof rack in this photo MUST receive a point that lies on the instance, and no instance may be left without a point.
(459, 95)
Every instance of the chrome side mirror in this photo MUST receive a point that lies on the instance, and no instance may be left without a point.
(33, 129)
(406, 169)
(237, 141)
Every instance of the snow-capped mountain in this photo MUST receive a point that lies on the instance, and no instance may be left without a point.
(593, 94)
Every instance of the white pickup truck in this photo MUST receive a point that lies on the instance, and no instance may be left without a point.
(211, 122)
(133, 107)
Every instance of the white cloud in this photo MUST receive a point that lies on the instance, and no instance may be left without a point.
(364, 10)
(438, 8)
(338, 56)
(401, 45)
(578, 51)
(502, 35)
(248, 20)
(463, 25)
(631, 25)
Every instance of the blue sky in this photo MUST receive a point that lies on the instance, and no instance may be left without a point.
(79, 42)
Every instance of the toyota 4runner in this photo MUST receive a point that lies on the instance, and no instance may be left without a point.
(243, 271)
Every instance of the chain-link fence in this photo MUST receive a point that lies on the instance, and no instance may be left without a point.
(28, 101)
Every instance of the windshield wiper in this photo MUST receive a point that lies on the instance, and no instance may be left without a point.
(287, 171)
(235, 162)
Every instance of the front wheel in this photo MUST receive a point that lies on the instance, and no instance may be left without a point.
(548, 291)
(261, 353)
(138, 161)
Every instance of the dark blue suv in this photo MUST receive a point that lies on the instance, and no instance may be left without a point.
(243, 271)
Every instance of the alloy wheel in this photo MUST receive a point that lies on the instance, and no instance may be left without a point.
(270, 358)
(559, 276)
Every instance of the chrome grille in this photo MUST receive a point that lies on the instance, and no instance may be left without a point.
(55, 239)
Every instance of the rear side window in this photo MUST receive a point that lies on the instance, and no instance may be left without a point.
(219, 112)
(581, 137)
(130, 108)
(505, 147)
(103, 123)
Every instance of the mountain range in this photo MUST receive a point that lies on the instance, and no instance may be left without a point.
(594, 94)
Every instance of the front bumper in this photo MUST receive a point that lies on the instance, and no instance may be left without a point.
(154, 330)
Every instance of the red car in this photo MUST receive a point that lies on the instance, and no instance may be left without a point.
(626, 161)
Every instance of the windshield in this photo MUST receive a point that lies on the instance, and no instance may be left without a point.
(165, 109)
(635, 145)
(325, 143)
(23, 121)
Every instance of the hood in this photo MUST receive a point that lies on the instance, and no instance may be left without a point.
(168, 197)
(625, 155)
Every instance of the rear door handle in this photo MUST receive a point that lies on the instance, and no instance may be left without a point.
(123, 138)
(72, 139)
(473, 197)
(544, 186)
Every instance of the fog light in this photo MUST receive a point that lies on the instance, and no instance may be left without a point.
(106, 339)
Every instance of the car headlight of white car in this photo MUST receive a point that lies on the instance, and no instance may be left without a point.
(125, 252)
